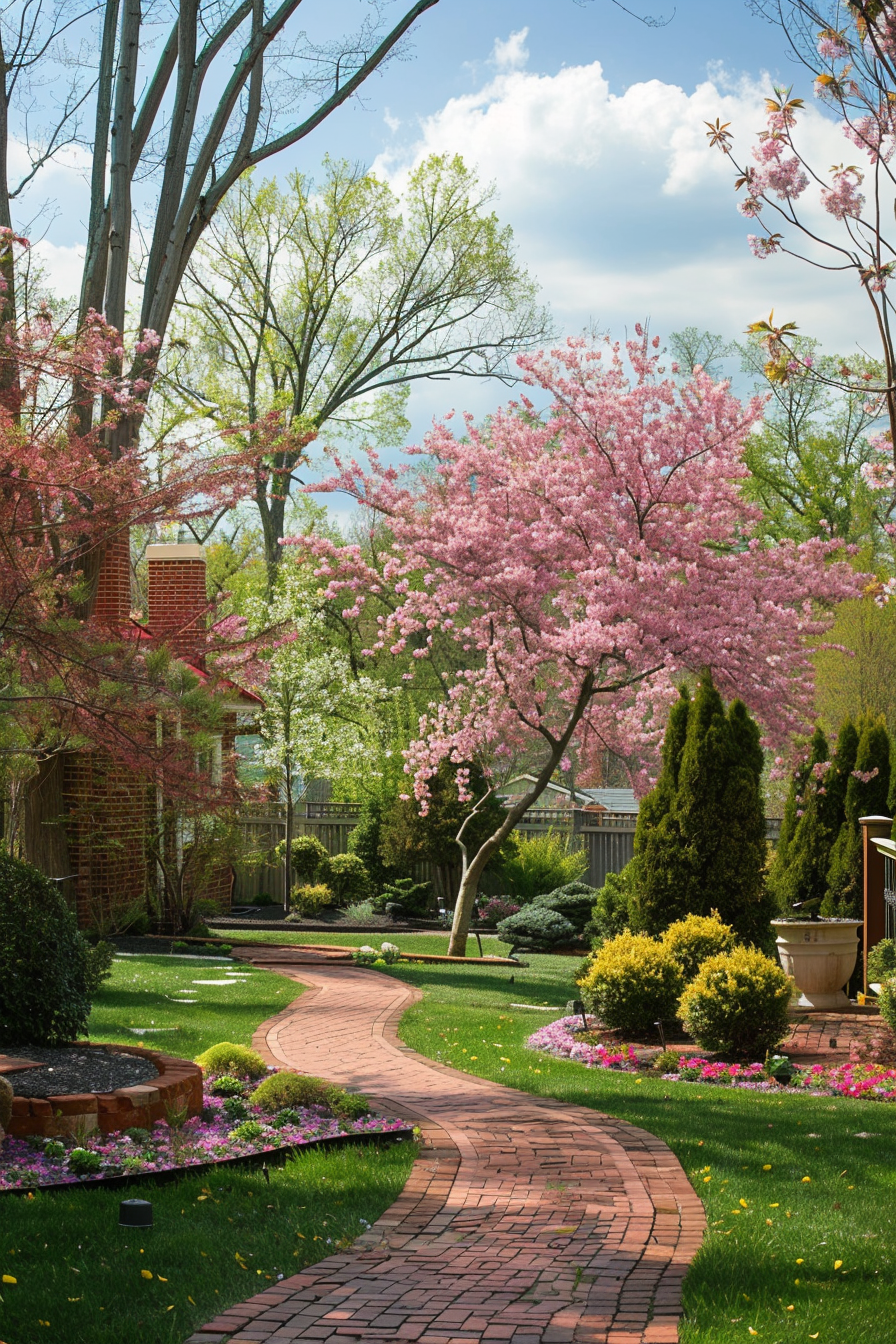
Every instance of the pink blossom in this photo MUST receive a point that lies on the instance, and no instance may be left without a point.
(844, 199)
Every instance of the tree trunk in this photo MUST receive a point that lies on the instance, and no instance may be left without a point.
(44, 840)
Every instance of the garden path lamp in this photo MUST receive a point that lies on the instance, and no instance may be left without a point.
(136, 1213)
(579, 1007)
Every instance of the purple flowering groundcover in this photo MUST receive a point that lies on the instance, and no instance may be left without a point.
(871, 1082)
(217, 1135)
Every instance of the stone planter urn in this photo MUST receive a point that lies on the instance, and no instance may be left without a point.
(820, 955)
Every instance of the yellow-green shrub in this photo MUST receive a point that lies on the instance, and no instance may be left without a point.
(311, 897)
(289, 1089)
(887, 1002)
(238, 1060)
(695, 938)
(737, 1004)
(631, 982)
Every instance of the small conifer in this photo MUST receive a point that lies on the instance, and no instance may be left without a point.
(867, 794)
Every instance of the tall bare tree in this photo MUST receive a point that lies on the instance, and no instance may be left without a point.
(324, 302)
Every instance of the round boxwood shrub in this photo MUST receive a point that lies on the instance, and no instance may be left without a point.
(631, 982)
(574, 901)
(307, 855)
(238, 1060)
(886, 1001)
(346, 877)
(695, 938)
(44, 997)
(737, 1004)
(535, 929)
(291, 1090)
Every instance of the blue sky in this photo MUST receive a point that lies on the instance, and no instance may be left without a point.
(591, 126)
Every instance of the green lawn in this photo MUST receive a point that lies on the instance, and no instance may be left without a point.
(142, 992)
(774, 1238)
(80, 1277)
(434, 943)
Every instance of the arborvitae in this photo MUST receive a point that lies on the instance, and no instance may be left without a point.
(708, 850)
(650, 877)
(805, 875)
(867, 794)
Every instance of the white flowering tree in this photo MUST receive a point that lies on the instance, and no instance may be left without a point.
(322, 719)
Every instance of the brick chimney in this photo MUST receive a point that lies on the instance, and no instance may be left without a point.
(177, 597)
(112, 606)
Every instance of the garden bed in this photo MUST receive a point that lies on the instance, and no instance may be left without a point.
(566, 1039)
(229, 1130)
(176, 1084)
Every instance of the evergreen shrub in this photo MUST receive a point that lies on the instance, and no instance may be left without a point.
(631, 982)
(237, 1060)
(346, 877)
(886, 1002)
(535, 929)
(867, 794)
(289, 1089)
(413, 897)
(309, 899)
(307, 855)
(574, 901)
(693, 939)
(99, 966)
(611, 913)
(44, 994)
(737, 1004)
(882, 961)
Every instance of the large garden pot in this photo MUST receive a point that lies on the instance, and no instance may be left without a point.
(820, 955)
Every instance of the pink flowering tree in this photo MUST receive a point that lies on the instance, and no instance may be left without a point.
(849, 51)
(579, 562)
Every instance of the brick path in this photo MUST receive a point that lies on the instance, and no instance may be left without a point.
(811, 1036)
(524, 1221)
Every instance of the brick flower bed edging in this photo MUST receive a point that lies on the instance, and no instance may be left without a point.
(273, 1157)
(178, 1085)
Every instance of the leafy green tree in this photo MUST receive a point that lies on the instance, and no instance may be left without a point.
(867, 794)
(708, 850)
(322, 302)
(854, 675)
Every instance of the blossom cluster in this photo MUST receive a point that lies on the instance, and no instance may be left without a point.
(559, 1039)
(213, 1136)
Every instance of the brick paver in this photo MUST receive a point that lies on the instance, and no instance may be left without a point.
(524, 1221)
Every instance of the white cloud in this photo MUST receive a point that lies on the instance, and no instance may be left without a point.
(62, 267)
(512, 54)
(621, 208)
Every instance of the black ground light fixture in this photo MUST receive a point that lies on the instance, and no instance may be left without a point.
(659, 1026)
(135, 1213)
(579, 1007)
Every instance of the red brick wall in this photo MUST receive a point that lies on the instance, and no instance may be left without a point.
(113, 590)
(109, 813)
(177, 597)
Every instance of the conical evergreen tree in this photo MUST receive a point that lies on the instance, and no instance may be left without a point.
(792, 808)
(652, 875)
(806, 876)
(867, 794)
(708, 849)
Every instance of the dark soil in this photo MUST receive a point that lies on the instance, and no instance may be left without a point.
(78, 1068)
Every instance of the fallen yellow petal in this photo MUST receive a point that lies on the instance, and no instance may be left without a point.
(171, 1308)
(742, 1203)
(767, 1167)
(145, 1274)
(789, 1308)
(8, 1278)
(190, 1300)
(837, 1264)
(774, 1206)
(806, 1180)
(752, 1331)
(796, 1283)
(800, 1261)
(706, 1178)
(161, 1280)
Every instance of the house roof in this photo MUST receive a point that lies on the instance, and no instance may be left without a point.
(144, 633)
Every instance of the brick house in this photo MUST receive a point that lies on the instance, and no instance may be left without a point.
(109, 814)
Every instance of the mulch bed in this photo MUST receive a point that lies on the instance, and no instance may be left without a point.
(78, 1068)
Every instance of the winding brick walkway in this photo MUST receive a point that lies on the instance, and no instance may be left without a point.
(524, 1221)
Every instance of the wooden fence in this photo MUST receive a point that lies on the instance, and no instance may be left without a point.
(608, 837)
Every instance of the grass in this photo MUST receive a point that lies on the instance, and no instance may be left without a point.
(141, 994)
(773, 1238)
(80, 1278)
(436, 944)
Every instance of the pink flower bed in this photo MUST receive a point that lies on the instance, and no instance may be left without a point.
(213, 1136)
(557, 1039)
(871, 1082)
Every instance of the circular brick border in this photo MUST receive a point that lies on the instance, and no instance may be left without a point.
(178, 1085)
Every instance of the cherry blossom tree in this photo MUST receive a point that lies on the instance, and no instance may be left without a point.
(582, 560)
